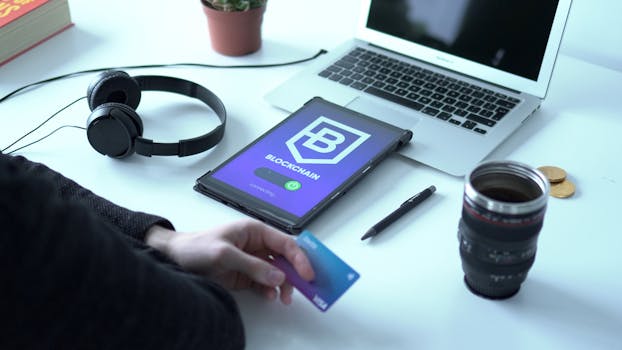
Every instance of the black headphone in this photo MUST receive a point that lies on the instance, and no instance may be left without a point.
(115, 129)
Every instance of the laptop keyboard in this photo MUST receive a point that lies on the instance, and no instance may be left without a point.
(436, 95)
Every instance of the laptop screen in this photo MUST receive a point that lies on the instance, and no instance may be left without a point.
(507, 35)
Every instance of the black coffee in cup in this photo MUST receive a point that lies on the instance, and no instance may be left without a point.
(502, 214)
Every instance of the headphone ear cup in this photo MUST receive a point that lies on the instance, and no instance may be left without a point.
(112, 129)
(113, 86)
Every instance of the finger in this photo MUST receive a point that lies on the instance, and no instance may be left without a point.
(283, 244)
(286, 291)
(256, 269)
(267, 292)
(240, 281)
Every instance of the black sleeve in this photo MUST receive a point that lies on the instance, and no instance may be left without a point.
(71, 280)
(134, 224)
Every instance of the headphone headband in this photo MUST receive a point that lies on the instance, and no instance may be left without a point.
(115, 129)
(188, 88)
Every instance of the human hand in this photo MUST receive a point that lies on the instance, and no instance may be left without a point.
(235, 255)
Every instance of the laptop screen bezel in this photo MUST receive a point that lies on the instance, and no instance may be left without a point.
(537, 87)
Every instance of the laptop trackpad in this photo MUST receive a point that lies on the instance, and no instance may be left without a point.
(383, 112)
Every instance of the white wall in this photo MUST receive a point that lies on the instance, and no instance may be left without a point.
(594, 32)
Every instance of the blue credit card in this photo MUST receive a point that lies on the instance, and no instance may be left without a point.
(332, 275)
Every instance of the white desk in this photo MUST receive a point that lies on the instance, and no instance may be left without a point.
(411, 294)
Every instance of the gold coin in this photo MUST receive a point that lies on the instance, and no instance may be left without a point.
(562, 189)
(553, 173)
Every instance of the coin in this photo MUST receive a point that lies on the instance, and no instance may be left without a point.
(562, 189)
(553, 174)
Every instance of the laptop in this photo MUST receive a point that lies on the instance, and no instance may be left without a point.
(463, 75)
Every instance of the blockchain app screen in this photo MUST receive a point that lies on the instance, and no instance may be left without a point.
(305, 158)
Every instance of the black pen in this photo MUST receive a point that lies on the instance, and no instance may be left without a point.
(399, 212)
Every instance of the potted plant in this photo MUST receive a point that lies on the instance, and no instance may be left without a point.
(234, 25)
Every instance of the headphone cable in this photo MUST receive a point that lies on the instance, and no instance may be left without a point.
(44, 137)
(40, 125)
(201, 65)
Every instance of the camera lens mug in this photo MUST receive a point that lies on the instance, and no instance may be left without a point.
(502, 213)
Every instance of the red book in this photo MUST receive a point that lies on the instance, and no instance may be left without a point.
(25, 24)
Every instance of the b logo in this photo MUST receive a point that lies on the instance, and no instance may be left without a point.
(325, 141)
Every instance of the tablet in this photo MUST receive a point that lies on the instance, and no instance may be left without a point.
(298, 168)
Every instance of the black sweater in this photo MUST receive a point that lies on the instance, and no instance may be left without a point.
(76, 274)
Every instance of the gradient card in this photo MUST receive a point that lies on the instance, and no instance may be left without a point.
(332, 275)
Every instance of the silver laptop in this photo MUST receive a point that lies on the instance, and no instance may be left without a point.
(463, 75)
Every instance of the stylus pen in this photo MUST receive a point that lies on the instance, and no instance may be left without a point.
(407, 206)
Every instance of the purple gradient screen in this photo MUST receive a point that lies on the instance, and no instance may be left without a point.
(318, 148)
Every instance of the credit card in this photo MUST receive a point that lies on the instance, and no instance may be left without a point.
(332, 275)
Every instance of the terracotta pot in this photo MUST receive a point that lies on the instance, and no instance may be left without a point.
(234, 33)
